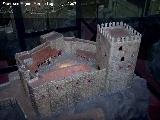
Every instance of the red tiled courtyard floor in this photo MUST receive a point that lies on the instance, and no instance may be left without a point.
(61, 73)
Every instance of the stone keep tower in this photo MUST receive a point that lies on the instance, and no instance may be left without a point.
(117, 51)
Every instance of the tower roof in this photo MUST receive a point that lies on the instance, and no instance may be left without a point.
(118, 32)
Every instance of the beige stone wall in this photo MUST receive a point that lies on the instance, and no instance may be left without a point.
(103, 51)
(58, 44)
(24, 73)
(120, 54)
(24, 77)
(73, 45)
(21, 53)
(54, 39)
(50, 37)
(68, 47)
(56, 96)
(41, 100)
(120, 73)
(61, 94)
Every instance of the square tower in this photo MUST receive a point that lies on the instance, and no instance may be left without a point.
(117, 51)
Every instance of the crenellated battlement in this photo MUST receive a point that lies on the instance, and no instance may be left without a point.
(130, 34)
(17, 55)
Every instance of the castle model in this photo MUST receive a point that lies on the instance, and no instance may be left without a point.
(64, 70)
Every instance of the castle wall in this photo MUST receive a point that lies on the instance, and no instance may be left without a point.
(58, 43)
(25, 77)
(54, 39)
(22, 70)
(68, 47)
(89, 84)
(50, 37)
(59, 95)
(103, 51)
(122, 64)
(73, 45)
(40, 99)
(121, 53)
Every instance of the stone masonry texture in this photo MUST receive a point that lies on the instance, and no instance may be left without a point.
(114, 53)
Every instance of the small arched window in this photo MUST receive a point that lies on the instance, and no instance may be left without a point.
(122, 58)
(98, 67)
(120, 48)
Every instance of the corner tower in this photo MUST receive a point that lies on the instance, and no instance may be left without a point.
(117, 51)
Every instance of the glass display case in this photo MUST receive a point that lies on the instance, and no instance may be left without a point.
(48, 14)
(22, 25)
